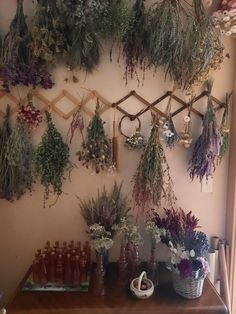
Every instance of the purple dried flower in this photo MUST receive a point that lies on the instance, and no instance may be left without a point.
(185, 268)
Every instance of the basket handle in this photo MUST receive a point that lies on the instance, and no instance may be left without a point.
(143, 275)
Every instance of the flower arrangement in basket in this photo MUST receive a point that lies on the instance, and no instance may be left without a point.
(188, 250)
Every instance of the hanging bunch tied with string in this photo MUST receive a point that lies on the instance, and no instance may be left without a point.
(52, 160)
(82, 39)
(186, 138)
(152, 181)
(16, 155)
(48, 41)
(29, 114)
(224, 130)
(17, 65)
(166, 37)
(207, 147)
(96, 149)
(134, 42)
(203, 48)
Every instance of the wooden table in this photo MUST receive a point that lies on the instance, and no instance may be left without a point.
(118, 300)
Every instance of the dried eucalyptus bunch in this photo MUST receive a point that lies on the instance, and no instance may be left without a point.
(203, 50)
(96, 149)
(52, 159)
(207, 147)
(166, 37)
(225, 130)
(82, 39)
(16, 156)
(48, 41)
(152, 181)
(134, 41)
(17, 64)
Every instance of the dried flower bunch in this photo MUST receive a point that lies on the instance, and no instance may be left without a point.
(29, 114)
(128, 233)
(96, 149)
(225, 18)
(185, 135)
(207, 147)
(188, 247)
(17, 65)
(107, 210)
(83, 45)
(134, 41)
(166, 37)
(224, 130)
(152, 181)
(16, 154)
(136, 141)
(76, 123)
(156, 233)
(52, 159)
(203, 50)
(101, 239)
(48, 41)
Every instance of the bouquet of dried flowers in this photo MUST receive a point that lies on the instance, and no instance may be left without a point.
(83, 44)
(166, 37)
(188, 247)
(156, 233)
(48, 41)
(152, 181)
(203, 48)
(107, 210)
(224, 130)
(134, 41)
(96, 149)
(16, 154)
(207, 147)
(17, 65)
(101, 239)
(29, 114)
(52, 159)
(225, 18)
(128, 232)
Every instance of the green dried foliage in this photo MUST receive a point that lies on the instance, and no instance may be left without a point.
(107, 210)
(225, 131)
(84, 47)
(203, 49)
(134, 41)
(152, 181)
(166, 37)
(48, 41)
(16, 154)
(96, 150)
(52, 160)
(16, 42)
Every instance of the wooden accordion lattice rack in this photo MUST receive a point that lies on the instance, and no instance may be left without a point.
(81, 105)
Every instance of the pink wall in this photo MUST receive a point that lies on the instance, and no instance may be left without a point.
(26, 225)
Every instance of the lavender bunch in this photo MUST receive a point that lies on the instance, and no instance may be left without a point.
(171, 135)
(207, 147)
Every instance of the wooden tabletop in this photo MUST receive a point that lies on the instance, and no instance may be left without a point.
(118, 300)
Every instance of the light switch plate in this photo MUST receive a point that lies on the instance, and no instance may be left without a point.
(207, 185)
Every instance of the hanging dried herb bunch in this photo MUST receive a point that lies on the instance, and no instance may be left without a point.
(6, 191)
(134, 41)
(171, 136)
(29, 114)
(224, 130)
(82, 40)
(207, 147)
(52, 159)
(17, 66)
(16, 160)
(166, 37)
(203, 50)
(96, 149)
(152, 181)
(48, 41)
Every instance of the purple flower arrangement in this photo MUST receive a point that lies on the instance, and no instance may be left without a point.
(188, 247)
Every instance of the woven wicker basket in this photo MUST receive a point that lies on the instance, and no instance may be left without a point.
(189, 288)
